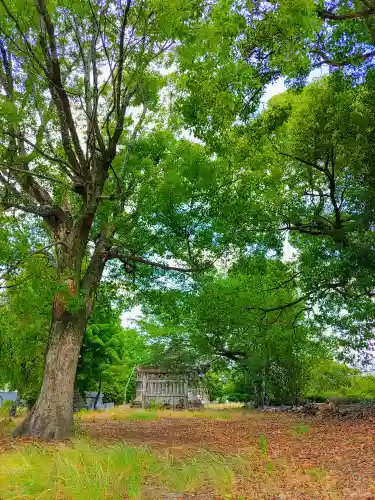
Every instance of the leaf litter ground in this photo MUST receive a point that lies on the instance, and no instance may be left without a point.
(303, 458)
(271, 455)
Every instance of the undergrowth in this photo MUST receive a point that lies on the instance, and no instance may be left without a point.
(86, 470)
(153, 414)
(81, 469)
(6, 427)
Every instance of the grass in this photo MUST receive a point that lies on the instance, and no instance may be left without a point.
(116, 414)
(223, 406)
(257, 456)
(6, 427)
(316, 473)
(301, 429)
(263, 445)
(85, 470)
(124, 413)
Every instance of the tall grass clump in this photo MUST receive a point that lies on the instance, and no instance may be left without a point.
(82, 470)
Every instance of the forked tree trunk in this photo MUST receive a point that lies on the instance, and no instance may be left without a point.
(52, 415)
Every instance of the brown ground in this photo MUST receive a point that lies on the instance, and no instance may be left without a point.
(321, 459)
(307, 458)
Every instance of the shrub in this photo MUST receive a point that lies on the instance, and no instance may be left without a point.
(344, 397)
(5, 407)
(237, 397)
(155, 405)
(113, 393)
(316, 398)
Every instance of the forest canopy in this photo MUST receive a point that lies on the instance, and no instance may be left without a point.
(137, 167)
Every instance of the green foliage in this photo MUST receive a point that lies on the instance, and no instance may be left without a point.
(332, 379)
(313, 148)
(239, 318)
(155, 405)
(263, 445)
(301, 429)
(237, 397)
(214, 384)
(113, 391)
(300, 172)
(24, 326)
(7, 404)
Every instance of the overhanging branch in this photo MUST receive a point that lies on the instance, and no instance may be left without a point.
(302, 160)
(281, 307)
(134, 258)
(45, 211)
(344, 62)
(53, 159)
(360, 14)
(43, 251)
(35, 174)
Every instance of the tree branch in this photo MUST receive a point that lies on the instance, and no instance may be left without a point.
(5, 182)
(302, 160)
(59, 94)
(147, 262)
(279, 308)
(344, 62)
(280, 285)
(45, 211)
(43, 251)
(233, 355)
(301, 311)
(361, 14)
(332, 192)
(305, 229)
(35, 174)
(132, 141)
(121, 57)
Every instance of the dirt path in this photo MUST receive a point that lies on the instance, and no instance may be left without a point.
(338, 456)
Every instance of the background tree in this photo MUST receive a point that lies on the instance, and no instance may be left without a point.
(291, 39)
(242, 318)
(317, 147)
(24, 324)
(109, 352)
(288, 39)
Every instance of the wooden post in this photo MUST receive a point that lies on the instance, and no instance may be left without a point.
(186, 398)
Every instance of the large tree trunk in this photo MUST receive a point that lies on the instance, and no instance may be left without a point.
(52, 415)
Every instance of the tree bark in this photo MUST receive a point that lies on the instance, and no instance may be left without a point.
(52, 415)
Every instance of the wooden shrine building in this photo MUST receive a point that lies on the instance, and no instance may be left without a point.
(174, 389)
